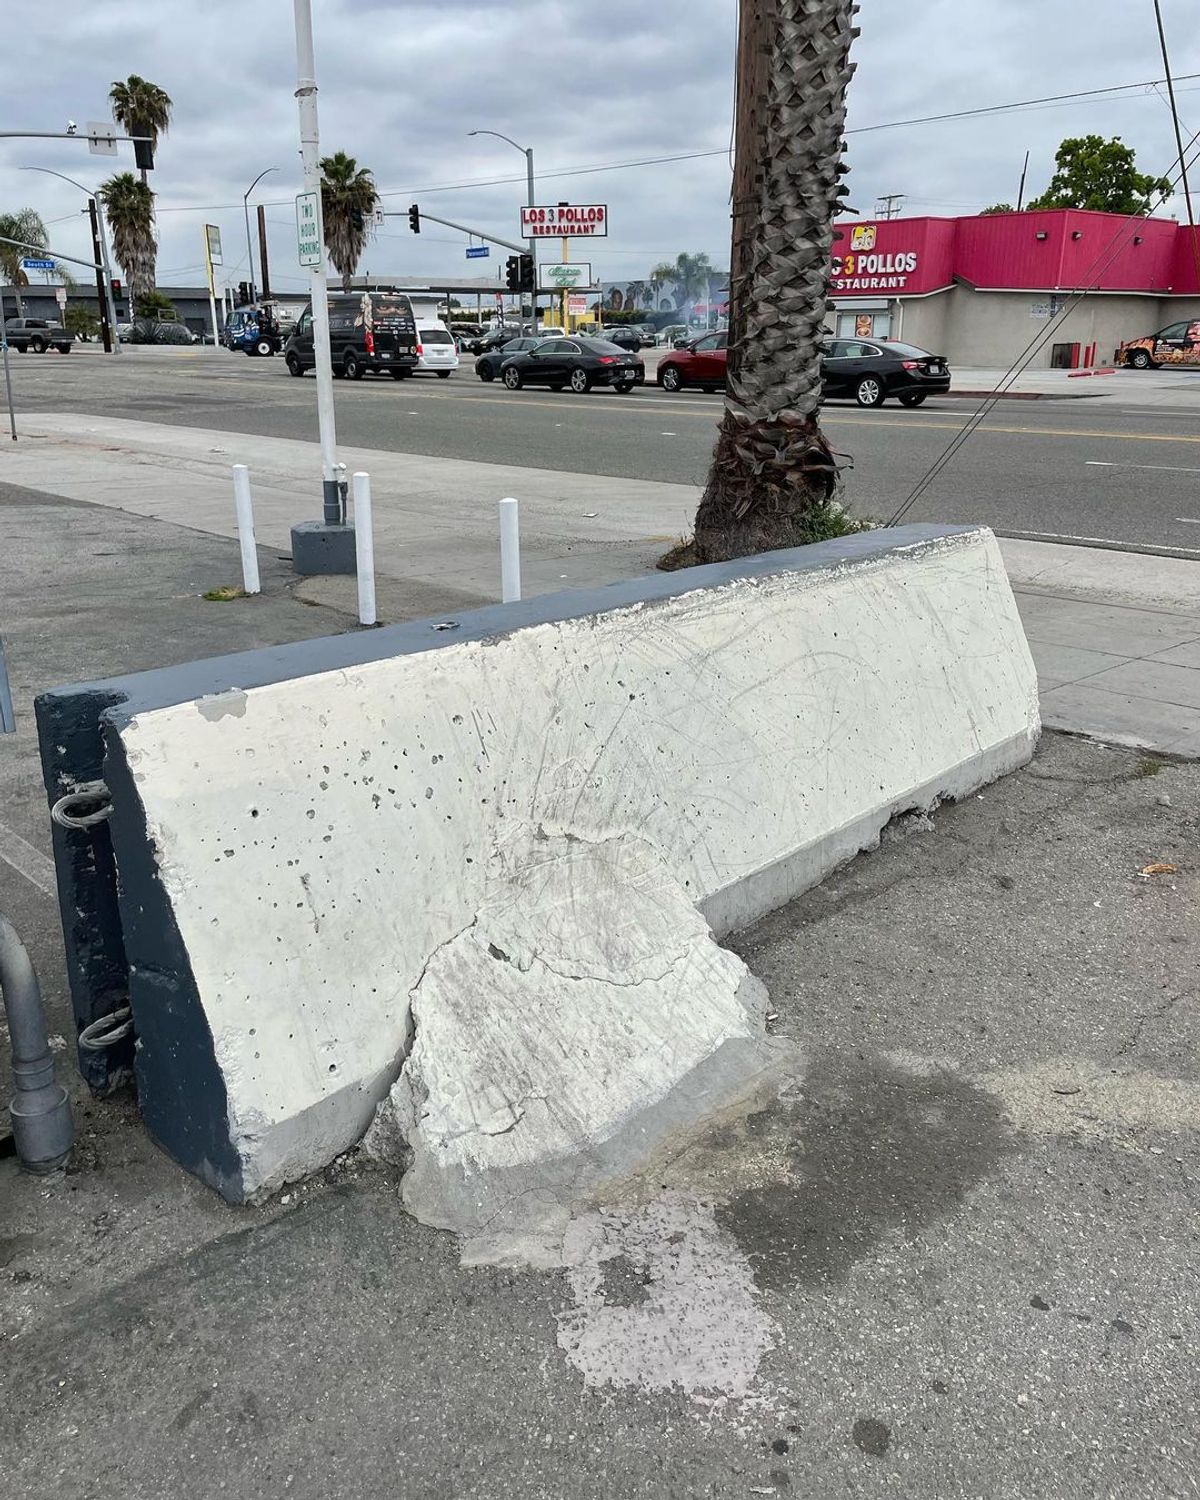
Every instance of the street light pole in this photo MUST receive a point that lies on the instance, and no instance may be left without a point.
(100, 241)
(246, 212)
(334, 554)
(527, 153)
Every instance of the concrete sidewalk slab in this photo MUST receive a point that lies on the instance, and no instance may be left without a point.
(437, 539)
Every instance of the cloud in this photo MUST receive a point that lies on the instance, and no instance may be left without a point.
(586, 82)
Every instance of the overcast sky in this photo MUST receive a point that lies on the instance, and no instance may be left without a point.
(586, 83)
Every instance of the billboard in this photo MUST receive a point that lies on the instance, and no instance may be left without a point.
(559, 276)
(578, 220)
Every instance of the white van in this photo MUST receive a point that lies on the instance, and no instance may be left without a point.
(435, 347)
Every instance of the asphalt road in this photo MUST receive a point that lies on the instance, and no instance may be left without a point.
(1054, 469)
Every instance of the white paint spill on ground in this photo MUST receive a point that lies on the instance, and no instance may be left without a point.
(664, 1299)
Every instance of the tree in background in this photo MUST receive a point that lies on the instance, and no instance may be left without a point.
(24, 225)
(1101, 175)
(773, 475)
(81, 321)
(997, 208)
(141, 108)
(348, 199)
(129, 205)
(156, 305)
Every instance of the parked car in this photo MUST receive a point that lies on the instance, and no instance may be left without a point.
(624, 337)
(866, 371)
(665, 338)
(579, 363)
(487, 366)
(870, 370)
(368, 331)
(700, 363)
(494, 338)
(435, 348)
(1177, 344)
(37, 334)
(551, 331)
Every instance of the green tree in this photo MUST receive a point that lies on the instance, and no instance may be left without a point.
(997, 208)
(129, 205)
(81, 321)
(141, 108)
(773, 475)
(1091, 172)
(348, 199)
(157, 305)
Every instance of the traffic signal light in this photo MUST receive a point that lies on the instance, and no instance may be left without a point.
(512, 272)
(243, 294)
(414, 218)
(525, 272)
(116, 287)
(143, 154)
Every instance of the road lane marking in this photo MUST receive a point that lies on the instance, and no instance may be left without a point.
(20, 855)
(1102, 463)
(1189, 520)
(1092, 541)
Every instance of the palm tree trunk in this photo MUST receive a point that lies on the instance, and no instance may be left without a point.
(773, 473)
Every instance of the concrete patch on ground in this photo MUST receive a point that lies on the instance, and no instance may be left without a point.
(664, 1299)
(581, 1021)
(1078, 1096)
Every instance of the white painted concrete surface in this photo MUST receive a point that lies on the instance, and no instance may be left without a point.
(322, 839)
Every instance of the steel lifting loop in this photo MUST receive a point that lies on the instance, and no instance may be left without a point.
(86, 794)
(107, 1031)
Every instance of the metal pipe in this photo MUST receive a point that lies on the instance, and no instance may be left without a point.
(364, 549)
(42, 1127)
(510, 550)
(244, 509)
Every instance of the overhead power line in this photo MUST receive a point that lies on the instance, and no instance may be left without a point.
(1044, 101)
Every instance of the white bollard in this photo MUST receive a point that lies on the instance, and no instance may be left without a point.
(364, 548)
(245, 526)
(510, 551)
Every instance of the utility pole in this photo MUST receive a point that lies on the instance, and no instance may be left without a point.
(755, 29)
(1187, 196)
(325, 546)
(263, 269)
(103, 289)
(1021, 187)
(888, 205)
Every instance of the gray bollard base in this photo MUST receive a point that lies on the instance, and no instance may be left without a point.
(318, 547)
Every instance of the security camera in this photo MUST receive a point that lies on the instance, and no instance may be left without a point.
(71, 127)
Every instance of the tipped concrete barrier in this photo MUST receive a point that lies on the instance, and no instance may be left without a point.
(314, 849)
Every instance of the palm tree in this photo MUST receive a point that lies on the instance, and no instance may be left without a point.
(129, 205)
(141, 108)
(773, 474)
(24, 225)
(348, 199)
(690, 274)
(659, 276)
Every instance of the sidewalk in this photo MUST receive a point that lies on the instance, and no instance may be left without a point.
(1116, 635)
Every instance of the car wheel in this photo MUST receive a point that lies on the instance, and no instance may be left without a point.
(263, 348)
(556, 385)
(913, 398)
(580, 382)
(20, 348)
(869, 391)
(1140, 360)
(623, 387)
(486, 374)
(353, 367)
(63, 348)
(670, 379)
(294, 365)
(38, 345)
(443, 374)
(399, 374)
(512, 378)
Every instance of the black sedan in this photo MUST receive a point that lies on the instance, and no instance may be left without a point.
(868, 371)
(487, 366)
(624, 338)
(577, 362)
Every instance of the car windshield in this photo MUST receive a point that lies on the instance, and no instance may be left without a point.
(907, 351)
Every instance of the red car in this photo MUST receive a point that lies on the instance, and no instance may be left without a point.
(701, 363)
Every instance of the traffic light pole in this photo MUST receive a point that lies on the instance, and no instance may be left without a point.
(479, 234)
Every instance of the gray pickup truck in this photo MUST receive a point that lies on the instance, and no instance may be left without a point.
(37, 334)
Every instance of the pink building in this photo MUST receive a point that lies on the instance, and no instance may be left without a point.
(980, 289)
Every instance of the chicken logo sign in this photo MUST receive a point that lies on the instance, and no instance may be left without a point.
(864, 271)
(863, 237)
